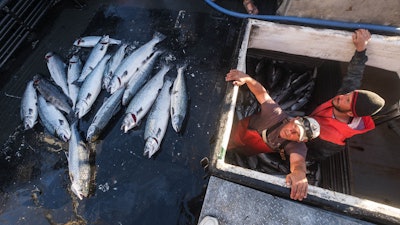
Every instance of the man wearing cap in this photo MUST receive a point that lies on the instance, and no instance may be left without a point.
(271, 130)
(349, 112)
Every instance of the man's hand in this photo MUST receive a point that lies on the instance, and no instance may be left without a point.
(298, 182)
(360, 39)
(238, 77)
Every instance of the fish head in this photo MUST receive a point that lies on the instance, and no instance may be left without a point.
(74, 59)
(64, 133)
(107, 80)
(125, 100)
(177, 121)
(105, 39)
(113, 85)
(36, 80)
(77, 190)
(152, 145)
(129, 122)
(48, 56)
(79, 41)
(92, 133)
(81, 108)
(78, 111)
(29, 122)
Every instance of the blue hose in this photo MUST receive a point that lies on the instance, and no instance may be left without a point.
(309, 21)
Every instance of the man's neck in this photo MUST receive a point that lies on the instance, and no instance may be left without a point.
(342, 117)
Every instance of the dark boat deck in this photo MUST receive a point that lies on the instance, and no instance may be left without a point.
(128, 188)
(170, 188)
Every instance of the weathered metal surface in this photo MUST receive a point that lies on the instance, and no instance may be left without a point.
(359, 11)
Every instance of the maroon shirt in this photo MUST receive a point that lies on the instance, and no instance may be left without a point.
(249, 137)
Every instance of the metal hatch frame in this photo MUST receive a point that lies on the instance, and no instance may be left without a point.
(267, 32)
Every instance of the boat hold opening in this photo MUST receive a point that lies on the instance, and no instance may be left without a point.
(322, 52)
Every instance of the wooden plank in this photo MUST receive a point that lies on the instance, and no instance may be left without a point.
(383, 51)
(358, 11)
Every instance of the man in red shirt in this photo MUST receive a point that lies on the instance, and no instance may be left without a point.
(349, 112)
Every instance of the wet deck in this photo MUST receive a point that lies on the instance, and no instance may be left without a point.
(127, 187)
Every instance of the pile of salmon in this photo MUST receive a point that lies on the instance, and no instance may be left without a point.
(72, 89)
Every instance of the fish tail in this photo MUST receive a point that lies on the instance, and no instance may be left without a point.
(168, 78)
(165, 67)
(72, 117)
(181, 66)
(159, 36)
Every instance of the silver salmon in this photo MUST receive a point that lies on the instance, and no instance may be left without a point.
(74, 70)
(58, 70)
(78, 164)
(90, 89)
(157, 121)
(95, 56)
(142, 101)
(53, 120)
(113, 64)
(91, 41)
(107, 110)
(52, 94)
(179, 100)
(132, 62)
(139, 78)
(29, 109)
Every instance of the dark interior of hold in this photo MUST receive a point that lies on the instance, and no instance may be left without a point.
(334, 173)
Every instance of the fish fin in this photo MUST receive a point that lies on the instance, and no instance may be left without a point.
(66, 155)
(77, 83)
(88, 96)
(62, 122)
(139, 110)
(158, 133)
(105, 99)
(116, 109)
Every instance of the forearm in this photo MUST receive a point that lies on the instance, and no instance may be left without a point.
(355, 72)
(297, 163)
(297, 179)
(258, 90)
(239, 78)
